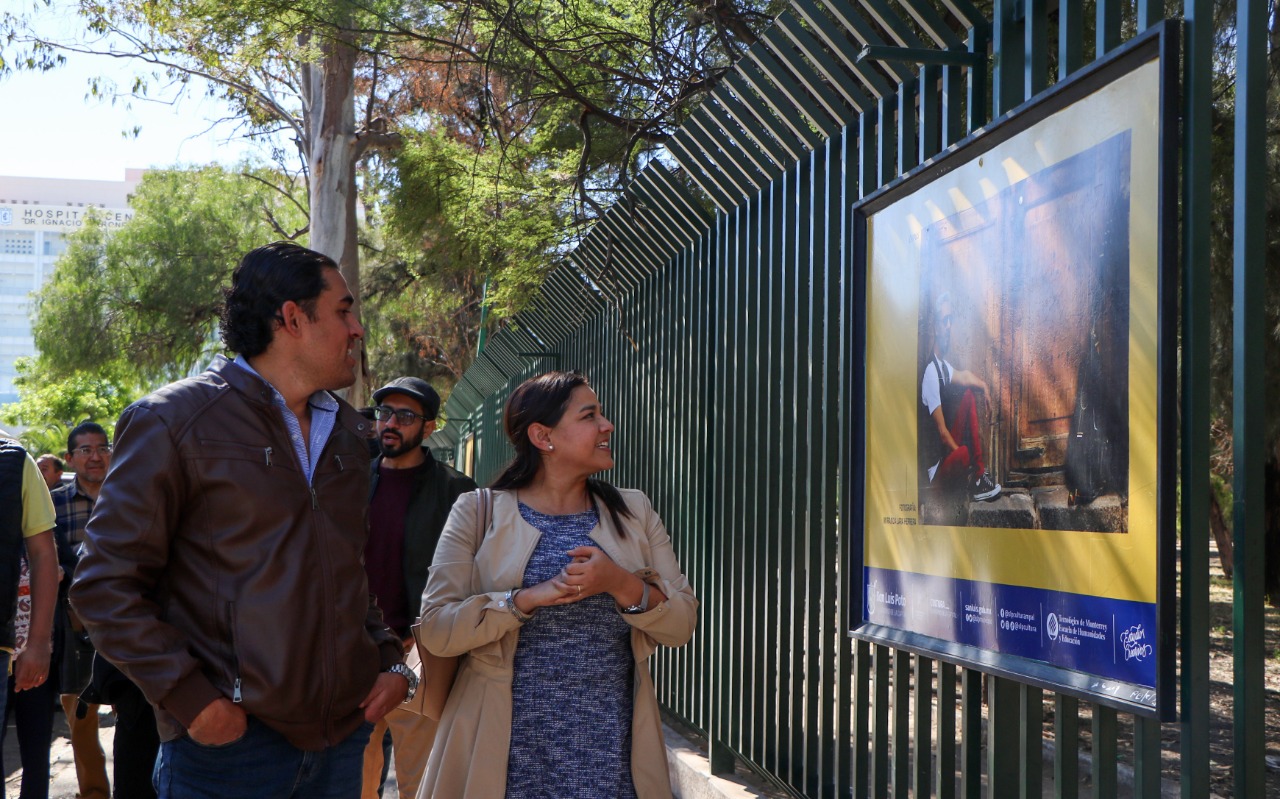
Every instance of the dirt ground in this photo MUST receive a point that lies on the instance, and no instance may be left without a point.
(1221, 700)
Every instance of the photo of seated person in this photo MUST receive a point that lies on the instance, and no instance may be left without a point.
(950, 398)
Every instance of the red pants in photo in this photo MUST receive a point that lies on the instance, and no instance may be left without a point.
(965, 462)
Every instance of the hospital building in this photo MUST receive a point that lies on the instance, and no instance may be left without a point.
(36, 216)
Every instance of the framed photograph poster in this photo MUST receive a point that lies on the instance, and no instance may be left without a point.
(1014, 480)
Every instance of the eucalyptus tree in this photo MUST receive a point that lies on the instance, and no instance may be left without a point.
(518, 121)
(287, 67)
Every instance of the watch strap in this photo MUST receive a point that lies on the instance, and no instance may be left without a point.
(643, 605)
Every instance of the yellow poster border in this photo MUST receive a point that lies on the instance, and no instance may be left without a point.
(1114, 565)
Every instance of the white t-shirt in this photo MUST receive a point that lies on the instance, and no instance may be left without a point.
(930, 396)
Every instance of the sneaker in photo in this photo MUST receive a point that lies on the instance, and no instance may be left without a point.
(983, 489)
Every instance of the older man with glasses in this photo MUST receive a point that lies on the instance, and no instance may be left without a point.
(88, 458)
(411, 495)
(136, 739)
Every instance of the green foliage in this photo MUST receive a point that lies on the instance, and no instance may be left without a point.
(494, 211)
(145, 300)
(51, 407)
(519, 123)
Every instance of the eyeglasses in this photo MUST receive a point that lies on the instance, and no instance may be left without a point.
(102, 450)
(404, 417)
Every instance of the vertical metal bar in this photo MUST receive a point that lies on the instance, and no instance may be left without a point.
(868, 177)
(1196, 369)
(1149, 13)
(726, 652)
(908, 152)
(1105, 753)
(861, 772)
(703, 282)
(1146, 756)
(1003, 731)
(971, 735)
(945, 781)
(885, 160)
(922, 726)
(762, 391)
(952, 105)
(1031, 719)
(930, 112)
(1066, 750)
(880, 721)
(1108, 27)
(812, 659)
(837, 316)
(1036, 34)
(978, 106)
(807, 385)
(744, 256)
(1248, 394)
(1070, 37)
(901, 724)
(1006, 35)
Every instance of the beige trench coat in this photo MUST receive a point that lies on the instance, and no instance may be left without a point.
(464, 611)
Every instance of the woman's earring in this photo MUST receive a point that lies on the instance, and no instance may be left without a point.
(551, 447)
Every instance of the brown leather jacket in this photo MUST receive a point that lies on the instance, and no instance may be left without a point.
(211, 569)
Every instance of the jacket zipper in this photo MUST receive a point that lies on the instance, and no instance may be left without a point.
(267, 452)
(235, 656)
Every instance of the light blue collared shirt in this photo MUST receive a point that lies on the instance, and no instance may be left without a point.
(324, 413)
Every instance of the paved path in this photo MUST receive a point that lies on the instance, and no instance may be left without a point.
(62, 770)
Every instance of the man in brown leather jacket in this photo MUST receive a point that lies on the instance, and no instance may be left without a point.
(222, 569)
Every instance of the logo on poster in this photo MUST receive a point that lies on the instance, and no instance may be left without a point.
(872, 589)
(1134, 642)
(6, 216)
(1053, 626)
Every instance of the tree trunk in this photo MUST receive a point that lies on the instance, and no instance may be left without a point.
(329, 119)
(1221, 535)
(1271, 531)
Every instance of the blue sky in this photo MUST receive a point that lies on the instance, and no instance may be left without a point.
(53, 129)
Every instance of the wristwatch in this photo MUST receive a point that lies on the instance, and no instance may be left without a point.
(643, 605)
(407, 673)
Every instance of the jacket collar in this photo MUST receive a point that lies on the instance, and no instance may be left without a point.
(605, 534)
(259, 391)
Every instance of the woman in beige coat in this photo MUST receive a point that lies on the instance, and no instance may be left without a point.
(557, 603)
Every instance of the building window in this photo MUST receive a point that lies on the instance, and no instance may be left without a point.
(17, 242)
(54, 244)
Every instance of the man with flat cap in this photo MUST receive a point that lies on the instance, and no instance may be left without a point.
(411, 495)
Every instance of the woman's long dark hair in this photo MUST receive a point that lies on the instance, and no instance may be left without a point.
(543, 400)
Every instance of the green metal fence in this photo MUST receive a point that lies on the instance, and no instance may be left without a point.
(712, 308)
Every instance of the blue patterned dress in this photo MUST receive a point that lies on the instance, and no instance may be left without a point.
(572, 691)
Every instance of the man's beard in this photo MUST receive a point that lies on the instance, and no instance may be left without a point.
(395, 450)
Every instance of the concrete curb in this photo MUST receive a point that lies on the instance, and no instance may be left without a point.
(691, 776)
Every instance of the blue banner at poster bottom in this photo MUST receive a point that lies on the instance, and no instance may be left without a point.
(1110, 638)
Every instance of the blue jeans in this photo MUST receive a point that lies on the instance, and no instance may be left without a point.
(261, 765)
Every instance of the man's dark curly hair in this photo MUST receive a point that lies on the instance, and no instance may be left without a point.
(266, 279)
